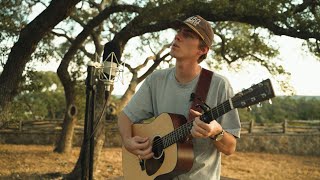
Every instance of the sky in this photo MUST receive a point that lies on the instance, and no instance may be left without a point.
(295, 58)
(303, 66)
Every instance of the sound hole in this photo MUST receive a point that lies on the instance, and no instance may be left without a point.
(157, 147)
(152, 165)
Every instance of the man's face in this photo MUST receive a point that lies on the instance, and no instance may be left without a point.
(185, 44)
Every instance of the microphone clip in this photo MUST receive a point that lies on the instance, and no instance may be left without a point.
(110, 68)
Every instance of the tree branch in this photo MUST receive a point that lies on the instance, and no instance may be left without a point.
(301, 7)
(71, 40)
(223, 47)
(88, 30)
(153, 67)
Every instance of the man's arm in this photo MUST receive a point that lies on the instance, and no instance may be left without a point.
(227, 145)
(140, 146)
(124, 124)
(200, 129)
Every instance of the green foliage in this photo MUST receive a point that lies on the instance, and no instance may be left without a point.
(243, 42)
(11, 21)
(80, 102)
(314, 46)
(290, 108)
(41, 97)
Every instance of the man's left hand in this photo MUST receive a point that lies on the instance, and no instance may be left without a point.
(201, 129)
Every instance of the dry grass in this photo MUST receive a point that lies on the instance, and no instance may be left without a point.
(32, 162)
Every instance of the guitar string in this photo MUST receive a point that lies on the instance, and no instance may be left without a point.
(182, 128)
(173, 135)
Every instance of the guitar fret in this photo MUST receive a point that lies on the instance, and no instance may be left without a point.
(180, 133)
(223, 108)
(231, 104)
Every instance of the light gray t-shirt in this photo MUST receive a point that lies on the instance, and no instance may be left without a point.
(162, 93)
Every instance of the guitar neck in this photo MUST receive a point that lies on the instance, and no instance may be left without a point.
(253, 95)
(184, 130)
(218, 111)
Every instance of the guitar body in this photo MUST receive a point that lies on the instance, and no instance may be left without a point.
(174, 160)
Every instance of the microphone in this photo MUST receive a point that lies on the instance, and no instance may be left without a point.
(111, 61)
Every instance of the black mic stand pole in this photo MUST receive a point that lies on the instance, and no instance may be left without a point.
(87, 160)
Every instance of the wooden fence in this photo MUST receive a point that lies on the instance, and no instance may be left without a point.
(39, 126)
(287, 126)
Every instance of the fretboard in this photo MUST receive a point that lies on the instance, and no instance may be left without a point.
(183, 131)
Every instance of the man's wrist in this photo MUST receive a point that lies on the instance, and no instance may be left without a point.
(218, 136)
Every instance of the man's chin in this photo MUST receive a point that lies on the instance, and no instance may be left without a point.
(173, 53)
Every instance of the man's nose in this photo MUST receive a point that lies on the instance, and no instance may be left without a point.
(178, 36)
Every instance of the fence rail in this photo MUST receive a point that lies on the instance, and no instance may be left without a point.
(287, 126)
(46, 126)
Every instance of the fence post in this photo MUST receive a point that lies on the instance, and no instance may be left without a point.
(251, 126)
(285, 124)
(20, 125)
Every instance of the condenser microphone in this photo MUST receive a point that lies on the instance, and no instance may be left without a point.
(111, 61)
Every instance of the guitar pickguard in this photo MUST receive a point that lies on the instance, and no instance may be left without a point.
(153, 165)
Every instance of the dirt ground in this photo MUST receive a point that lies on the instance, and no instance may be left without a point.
(32, 162)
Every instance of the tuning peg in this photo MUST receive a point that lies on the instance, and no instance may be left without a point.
(249, 109)
(270, 102)
(259, 105)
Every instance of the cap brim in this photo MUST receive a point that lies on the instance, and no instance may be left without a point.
(178, 24)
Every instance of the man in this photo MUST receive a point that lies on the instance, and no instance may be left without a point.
(169, 91)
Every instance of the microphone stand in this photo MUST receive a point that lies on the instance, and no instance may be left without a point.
(88, 136)
(87, 160)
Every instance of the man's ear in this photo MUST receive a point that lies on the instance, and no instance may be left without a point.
(203, 50)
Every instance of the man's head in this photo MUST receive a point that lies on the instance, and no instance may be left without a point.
(201, 28)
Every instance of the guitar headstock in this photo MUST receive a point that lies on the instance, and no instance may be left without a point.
(253, 95)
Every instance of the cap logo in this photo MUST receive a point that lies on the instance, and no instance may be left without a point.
(193, 20)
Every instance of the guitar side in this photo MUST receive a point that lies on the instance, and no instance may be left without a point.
(178, 158)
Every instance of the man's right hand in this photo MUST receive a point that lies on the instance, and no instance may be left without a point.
(140, 146)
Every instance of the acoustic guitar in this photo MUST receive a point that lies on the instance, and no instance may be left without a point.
(173, 153)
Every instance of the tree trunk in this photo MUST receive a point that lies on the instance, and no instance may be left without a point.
(98, 145)
(64, 145)
(28, 40)
(99, 137)
(136, 80)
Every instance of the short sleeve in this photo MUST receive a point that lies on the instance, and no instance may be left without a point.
(140, 106)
